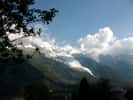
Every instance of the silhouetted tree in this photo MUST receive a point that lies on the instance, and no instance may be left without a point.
(84, 90)
(98, 91)
(129, 94)
(14, 16)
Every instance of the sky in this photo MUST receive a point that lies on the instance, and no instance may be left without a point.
(96, 29)
(77, 18)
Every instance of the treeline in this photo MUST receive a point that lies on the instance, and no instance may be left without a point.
(101, 91)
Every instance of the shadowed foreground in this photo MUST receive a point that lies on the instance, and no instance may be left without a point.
(25, 82)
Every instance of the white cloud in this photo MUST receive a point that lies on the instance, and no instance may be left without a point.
(105, 43)
(97, 43)
(77, 65)
(121, 47)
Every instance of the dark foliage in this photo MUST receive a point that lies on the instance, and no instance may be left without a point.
(14, 77)
(129, 94)
(37, 91)
(99, 91)
(19, 13)
(102, 90)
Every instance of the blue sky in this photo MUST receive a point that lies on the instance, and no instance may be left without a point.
(78, 18)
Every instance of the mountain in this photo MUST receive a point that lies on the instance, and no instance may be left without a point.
(123, 67)
(117, 70)
(59, 71)
(100, 70)
(56, 75)
(63, 72)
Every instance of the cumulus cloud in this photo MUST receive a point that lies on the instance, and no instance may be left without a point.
(97, 43)
(104, 42)
(121, 47)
